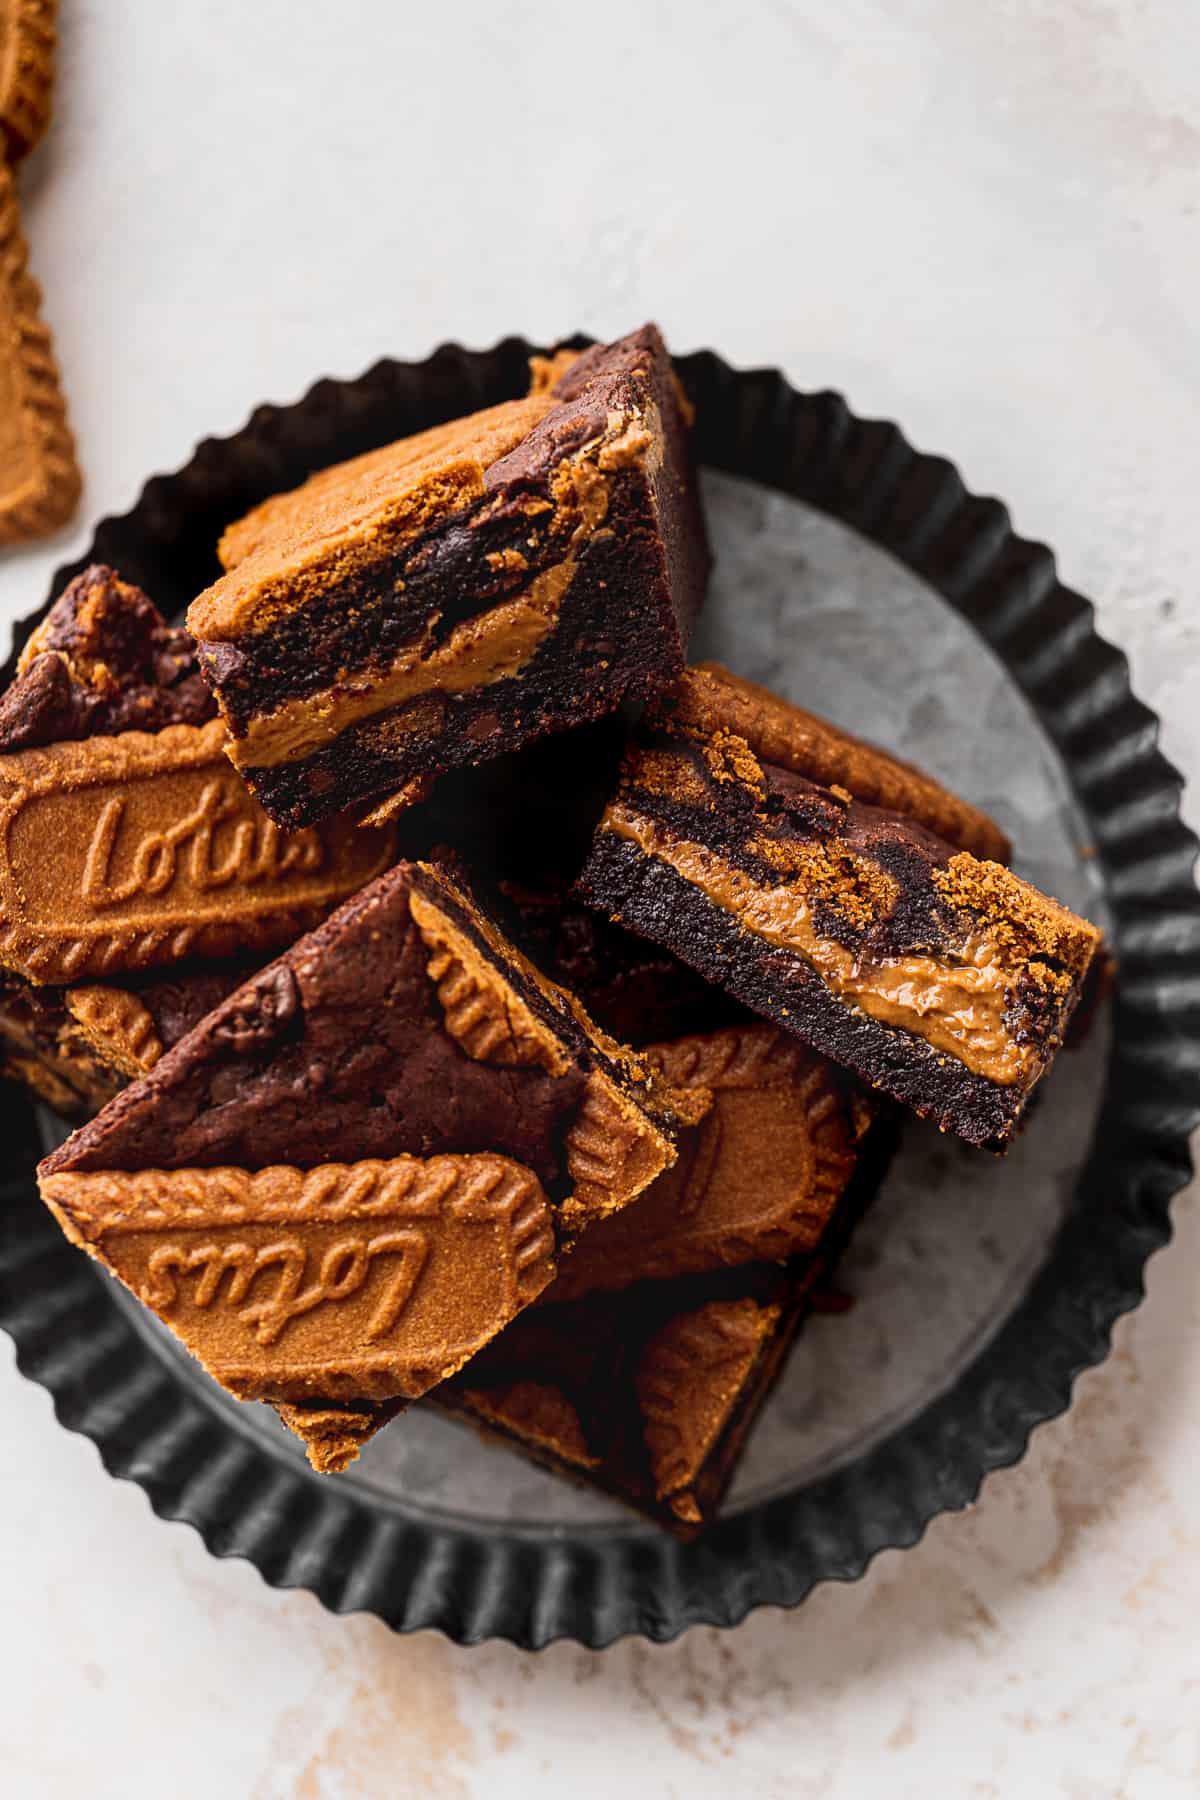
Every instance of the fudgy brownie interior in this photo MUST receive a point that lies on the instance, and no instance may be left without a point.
(449, 597)
(942, 979)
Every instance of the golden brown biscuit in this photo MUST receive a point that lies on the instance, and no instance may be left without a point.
(27, 44)
(367, 1280)
(758, 1176)
(161, 854)
(39, 478)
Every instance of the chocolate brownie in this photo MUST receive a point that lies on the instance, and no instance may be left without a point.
(442, 600)
(737, 838)
(632, 987)
(366, 1160)
(102, 661)
(76, 1047)
(648, 1395)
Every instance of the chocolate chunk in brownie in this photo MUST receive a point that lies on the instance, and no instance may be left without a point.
(451, 596)
(366, 1160)
(743, 846)
(75, 1047)
(102, 661)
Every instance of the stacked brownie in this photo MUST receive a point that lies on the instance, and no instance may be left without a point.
(466, 999)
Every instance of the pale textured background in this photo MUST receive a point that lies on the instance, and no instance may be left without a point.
(981, 220)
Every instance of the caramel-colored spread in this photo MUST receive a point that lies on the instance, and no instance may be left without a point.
(717, 706)
(955, 1003)
(296, 546)
(493, 646)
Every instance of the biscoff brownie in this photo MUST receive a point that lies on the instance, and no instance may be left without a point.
(362, 1164)
(648, 1395)
(842, 896)
(104, 669)
(452, 596)
(128, 842)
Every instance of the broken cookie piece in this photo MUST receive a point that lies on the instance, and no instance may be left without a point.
(361, 1165)
(451, 596)
(102, 661)
(39, 477)
(759, 1173)
(736, 839)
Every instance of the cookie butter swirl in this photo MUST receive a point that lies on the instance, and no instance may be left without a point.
(495, 645)
(955, 1002)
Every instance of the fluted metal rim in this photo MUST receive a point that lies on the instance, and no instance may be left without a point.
(416, 1572)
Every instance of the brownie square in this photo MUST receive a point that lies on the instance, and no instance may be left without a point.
(650, 1393)
(367, 1160)
(647, 1395)
(455, 594)
(842, 895)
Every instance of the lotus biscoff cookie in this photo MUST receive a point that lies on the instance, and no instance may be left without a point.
(39, 478)
(27, 44)
(363, 1163)
(102, 661)
(109, 750)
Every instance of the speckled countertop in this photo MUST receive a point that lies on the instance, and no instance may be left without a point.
(982, 221)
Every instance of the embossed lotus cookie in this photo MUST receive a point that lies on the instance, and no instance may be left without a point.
(453, 595)
(362, 1164)
(103, 661)
(39, 478)
(736, 839)
(758, 1175)
(160, 854)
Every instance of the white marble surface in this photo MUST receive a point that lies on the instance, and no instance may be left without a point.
(980, 220)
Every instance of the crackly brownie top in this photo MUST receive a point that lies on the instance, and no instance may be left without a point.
(711, 702)
(296, 546)
(398, 1027)
(920, 936)
(102, 661)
